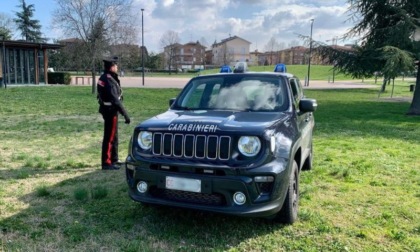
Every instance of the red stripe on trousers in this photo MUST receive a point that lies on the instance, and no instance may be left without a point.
(111, 140)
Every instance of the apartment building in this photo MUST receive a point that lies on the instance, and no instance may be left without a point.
(187, 56)
(231, 50)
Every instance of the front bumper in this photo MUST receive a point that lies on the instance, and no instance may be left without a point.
(217, 189)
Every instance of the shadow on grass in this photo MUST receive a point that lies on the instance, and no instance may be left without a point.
(62, 217)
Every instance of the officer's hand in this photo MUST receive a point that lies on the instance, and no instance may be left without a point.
(127, 120)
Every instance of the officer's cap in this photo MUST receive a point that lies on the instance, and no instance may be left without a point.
(108, 63)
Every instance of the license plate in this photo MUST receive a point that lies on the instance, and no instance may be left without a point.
(183, 184)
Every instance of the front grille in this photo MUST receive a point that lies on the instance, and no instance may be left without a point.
(188, 197)
(191, 146)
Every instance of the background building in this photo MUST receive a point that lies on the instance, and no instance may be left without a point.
(24, 62)
(187, 56)
(231, 50)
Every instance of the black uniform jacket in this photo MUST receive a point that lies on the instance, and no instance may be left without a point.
(110, 94)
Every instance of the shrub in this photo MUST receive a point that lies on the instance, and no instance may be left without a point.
(59, 78)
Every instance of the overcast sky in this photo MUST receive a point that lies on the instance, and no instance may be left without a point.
(253, 20)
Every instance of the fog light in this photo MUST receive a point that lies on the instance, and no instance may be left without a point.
(239, 198)
(130, 166)
(142, 187)
(264, 179)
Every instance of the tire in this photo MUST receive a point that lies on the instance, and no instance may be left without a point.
(307, 166)
(289, 211)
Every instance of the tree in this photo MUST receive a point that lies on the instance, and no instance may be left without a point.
(386, 29)
(6, 27)
(30, 29)
(68, 57)
(98, 24)
(272, 47)
(170, 43)
(154, 62)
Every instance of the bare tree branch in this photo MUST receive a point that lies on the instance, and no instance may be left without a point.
(98, 23)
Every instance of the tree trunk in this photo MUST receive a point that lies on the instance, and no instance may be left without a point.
(415, 104)
(93, 82)
(384, 84)
(93, 78)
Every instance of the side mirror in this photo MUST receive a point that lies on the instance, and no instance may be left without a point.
(307, 105)
(171, 101)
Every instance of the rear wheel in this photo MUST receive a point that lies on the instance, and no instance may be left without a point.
(289, 211)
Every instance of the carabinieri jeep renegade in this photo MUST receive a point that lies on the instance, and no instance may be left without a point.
(230, 143)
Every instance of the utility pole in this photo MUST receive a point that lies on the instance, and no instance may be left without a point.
(310, 53)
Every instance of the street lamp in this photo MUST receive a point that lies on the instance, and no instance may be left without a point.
(142, 47)
(310, 52)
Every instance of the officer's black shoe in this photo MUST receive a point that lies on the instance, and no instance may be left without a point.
(110, 167)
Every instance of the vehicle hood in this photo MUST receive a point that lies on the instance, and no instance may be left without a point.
(210, 121)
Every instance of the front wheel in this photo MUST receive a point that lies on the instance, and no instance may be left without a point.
(289, 211)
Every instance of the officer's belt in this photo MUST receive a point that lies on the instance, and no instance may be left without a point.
(109, 103)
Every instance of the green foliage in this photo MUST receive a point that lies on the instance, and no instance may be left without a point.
(385, 22)
(154, 61)
(5, 34)
(30, 29)
(5, 27)
(397, 61)
(59, 78)
(386, 29)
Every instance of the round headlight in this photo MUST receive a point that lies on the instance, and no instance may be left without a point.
(249, 145)
(144, 139)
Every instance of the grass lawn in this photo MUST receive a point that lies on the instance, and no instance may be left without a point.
(362, 195)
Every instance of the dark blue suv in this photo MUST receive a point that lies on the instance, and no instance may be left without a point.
(229, 143)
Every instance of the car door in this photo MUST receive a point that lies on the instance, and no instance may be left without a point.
(305, 120)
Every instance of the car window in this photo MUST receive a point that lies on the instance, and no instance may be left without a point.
(296, 89)
(235, 92)
(194, 97)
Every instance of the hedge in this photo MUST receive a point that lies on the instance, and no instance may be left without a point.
(59, 78)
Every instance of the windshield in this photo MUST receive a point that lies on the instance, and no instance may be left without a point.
(234, 92)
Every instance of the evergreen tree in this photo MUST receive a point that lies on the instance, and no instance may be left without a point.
(30, 29)
(386, 29)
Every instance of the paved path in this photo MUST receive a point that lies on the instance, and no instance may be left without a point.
(179, 82)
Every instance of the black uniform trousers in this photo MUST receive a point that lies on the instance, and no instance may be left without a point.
(110, 139)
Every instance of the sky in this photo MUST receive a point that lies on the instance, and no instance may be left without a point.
(256, 21)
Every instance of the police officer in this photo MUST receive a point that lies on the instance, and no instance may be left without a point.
(110, 104)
